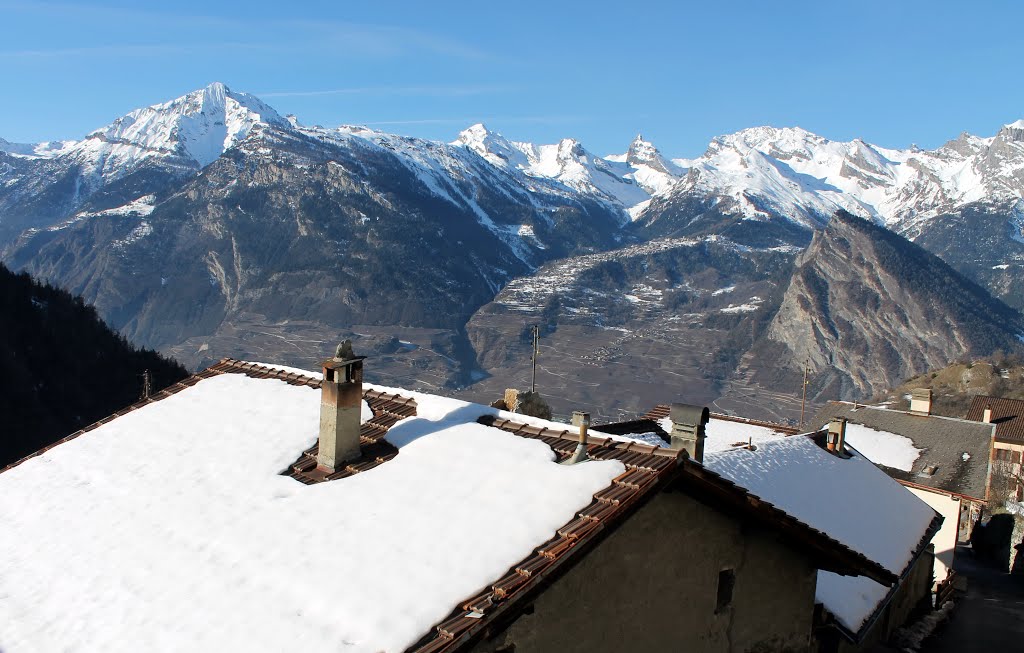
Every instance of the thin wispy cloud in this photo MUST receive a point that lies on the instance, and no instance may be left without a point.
(295, 35)
(435, 91)
(545, 120)
(127, 50)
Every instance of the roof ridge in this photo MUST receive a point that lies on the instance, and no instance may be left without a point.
(174, 388)
(661, 411)
(223, 366)
(907, 413)
(648, 468)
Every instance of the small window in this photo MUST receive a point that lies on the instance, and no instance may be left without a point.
(726, 581)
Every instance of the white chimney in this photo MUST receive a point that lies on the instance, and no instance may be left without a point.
(921, 401)
(341, 396)
(836, 438)
(986, 416)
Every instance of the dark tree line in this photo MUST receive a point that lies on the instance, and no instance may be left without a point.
(62, 367)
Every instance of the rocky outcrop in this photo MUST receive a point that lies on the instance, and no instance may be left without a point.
(867, 309)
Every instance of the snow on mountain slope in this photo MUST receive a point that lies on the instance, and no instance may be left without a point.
(460, 177)
(803, 177)
(193, 130)
(199, 125)
(629, 180)
(762, 173)
(45, 149)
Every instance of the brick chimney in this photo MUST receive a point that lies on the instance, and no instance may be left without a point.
(921, 401)
(836, 439)
(688, 429)
(341, 395)
(986, 416)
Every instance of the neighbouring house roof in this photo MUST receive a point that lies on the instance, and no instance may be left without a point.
(722, 432)
(175, 524)
(1007, 416)
(849, 499)
(910, 445)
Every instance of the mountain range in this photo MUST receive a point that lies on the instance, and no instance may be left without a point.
(211, 225)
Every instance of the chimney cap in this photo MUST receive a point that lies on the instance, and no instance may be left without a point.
(690, 414)
(580, 418)
(343, 357)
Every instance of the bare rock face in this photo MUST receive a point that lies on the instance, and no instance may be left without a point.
(625, 329)
(866, 308)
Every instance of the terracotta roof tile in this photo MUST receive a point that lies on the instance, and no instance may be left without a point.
(532, 565)
(647, 469)
(1007, 415)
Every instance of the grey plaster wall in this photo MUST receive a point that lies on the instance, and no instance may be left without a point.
(652, 586)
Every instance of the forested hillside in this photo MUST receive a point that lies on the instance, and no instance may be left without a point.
(61, 367)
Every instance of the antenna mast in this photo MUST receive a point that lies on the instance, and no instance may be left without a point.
(536, 347)
(147, 385)
(803, 400)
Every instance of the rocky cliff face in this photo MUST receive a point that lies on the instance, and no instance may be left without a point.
(210, 226)
(622, 330)
(867, 309)
(300, 226)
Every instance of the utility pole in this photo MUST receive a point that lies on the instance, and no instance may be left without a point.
(147, 385)
(803, 400)
(536, 348)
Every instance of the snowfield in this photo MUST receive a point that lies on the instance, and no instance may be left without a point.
(170, 528)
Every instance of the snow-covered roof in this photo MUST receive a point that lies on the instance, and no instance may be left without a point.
(723, 432)
(849, 499)
(178, 524)
(921, 449)
(172, 528)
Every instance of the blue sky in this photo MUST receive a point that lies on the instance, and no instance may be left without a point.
(892, 73)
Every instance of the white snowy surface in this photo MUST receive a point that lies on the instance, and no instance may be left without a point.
(200, 125)
(723, 435)
(170, 528)
(630, 179)
(882, 447)
(141, 206)
(850, 500)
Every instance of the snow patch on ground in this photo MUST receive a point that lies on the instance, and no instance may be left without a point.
(749, 307)
(909, 638)
(142, 206)
(179, 529)
(142, 230)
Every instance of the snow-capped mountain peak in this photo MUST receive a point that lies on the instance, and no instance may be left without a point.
(1013, 132)
(199, 125)
(492, 146)
(644, 153)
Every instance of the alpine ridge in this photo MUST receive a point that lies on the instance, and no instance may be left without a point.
(211, 226)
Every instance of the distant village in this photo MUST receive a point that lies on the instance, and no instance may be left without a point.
(263, 507)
